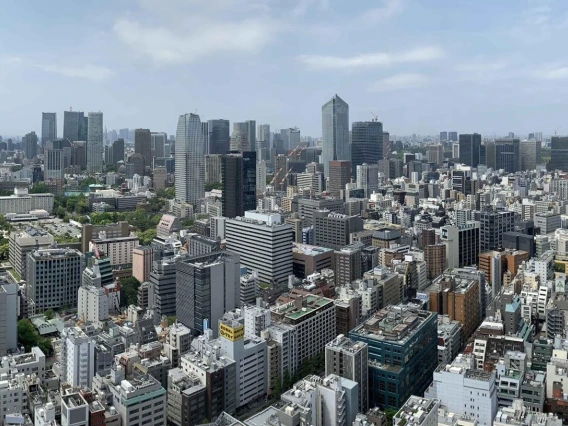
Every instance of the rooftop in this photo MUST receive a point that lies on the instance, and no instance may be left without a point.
(309, 250)
(301, 307)
(414, 411)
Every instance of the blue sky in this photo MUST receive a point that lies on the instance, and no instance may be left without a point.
(421, 66)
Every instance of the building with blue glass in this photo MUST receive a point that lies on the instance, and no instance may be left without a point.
(402, 345)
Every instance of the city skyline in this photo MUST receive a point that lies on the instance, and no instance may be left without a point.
(411, 64)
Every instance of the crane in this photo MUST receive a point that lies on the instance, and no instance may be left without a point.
(275, 176)
(285, 177)
(375, 118)
(556, 131)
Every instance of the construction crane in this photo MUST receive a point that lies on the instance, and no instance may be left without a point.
(275, 176)
(375, 118)
(556, 131)
(285, 177)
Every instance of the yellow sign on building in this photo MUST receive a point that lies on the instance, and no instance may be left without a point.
(231, 333)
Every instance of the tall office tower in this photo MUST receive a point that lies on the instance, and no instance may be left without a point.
(391, 168)
(469, 149)
(213, 168)
(435, 258)
(29, 145)
(368, 178)
(117, 151)
(339, 176)
(205, 130)
(48, 127)
(436, 154)
(53, 168)
(263, 133)
(142, 258)
(47, 287)
(23, 242)
(77, 357)
(386, 144)
(243, 138)
(219, 136)
(189, 160)
(530, 154)
(348, 264)
(263, 243)
(443, 137)
(74, 126)
(158, 144)
(249, 180)
(558, 153)
(508, 154)
(79, 154)
(462, 244)
(335, 132)
(206, 287)
(453, 136)
(8, 317)
(493, 225)
(280, 172)
(143, 145)
(163, 279)
(232, 185)
(349, 359)
(332, 230)
(261, 176)
(251, 135)
(403, 363)
(366, 143)
(95, 142)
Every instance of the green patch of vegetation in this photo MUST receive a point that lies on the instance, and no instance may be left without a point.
(39, 188)
(559, 266)
(129, 291)
(215, 185)
(14, 274)
(29, 337)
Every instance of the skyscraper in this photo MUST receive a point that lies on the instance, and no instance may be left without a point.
(143, 145)
(558, 153)
(436, 154)
(219, 136)
(443, 136)
(29, 145)
(251, 135)
(469, 149)
(335, 132)
(453, 136)
(158, 144)
(530, 154)
(339, 176)
(243, 138)
(508, 154)
(386, 144)
(73, 126)
(95, 142)
(118, 151)
(368, 178)
(249, 180)
(261, 176)
(53, 164)
(263, 133)
(232, 185)
(366, 143)
(189, 159)
(48, 127)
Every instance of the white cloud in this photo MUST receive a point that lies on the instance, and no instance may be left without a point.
(303, 6)
(559, 73)
(372, 60)
(12, 59)
(399, 82)
(206, 38)
(90, 72)
(387, 10)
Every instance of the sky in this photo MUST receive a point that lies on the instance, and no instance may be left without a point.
(421, 66)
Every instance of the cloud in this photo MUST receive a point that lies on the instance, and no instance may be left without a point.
(372, 60)
(387, 10)
(90, 72)
(558, 73)
(12, 59)
(399, 82)
(303, 6)
(206, 38)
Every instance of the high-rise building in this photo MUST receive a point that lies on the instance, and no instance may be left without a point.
(263, 243)
(436, 154)
(366, 143)
(332, 230)
(77, 357)
(530, 154)
(46, 286)
(213, 168)
(8, 317)
(23, 242)
(443, 136)
(349, 359)
(508, 155)
(435, 259)
(368, 178)
(339, 176)
(29, 145)
(95, 142)
(249, 180)
(163, 280)
(48, 127)
(462, 244)
(75, 126)
(261, 176)
(263, 133)
(453, 136)
(232, 185)
(469, 149)
(219, 136)
(403, 353)
(558, 153)
(189, 160)
(117, 151)
(335, 132)
(158, 144)
(348, 264)
(143, 145)
(142, 258)
(207, 286)
(386, 144)
(280, 172)
(53, 164)
(493, 223)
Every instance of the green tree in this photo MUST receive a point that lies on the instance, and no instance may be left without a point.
(49, 314)
(39, 188)
(4, 251)
(146, 236)
(171, 319)
(60, 212)
(390, 413)
(187, 222)
(168, 193)
(277, 388)
(4, 224)
(129, 291)
(29, 337)
(286, 381)
(214, 185)
(85, 183)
